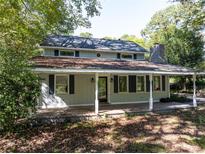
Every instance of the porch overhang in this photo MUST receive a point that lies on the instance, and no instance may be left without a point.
(104, 71)
(111, 66)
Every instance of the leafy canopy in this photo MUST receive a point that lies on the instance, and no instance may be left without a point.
(184, 45)
(24, 24)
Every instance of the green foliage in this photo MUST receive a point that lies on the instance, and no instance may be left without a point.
(199, 141)
(184, 45)
(24, 24)
(175, 98)
(133, 38)
(86, 34)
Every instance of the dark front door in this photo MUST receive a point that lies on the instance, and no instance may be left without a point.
(102, 93)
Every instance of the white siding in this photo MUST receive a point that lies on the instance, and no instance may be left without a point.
(85, 90)
(84, 93)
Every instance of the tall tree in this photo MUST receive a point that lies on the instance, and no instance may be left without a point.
(133, 38)
(24, 24)
(86, 34)
(184, 45)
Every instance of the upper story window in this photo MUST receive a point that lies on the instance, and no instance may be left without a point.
(48, 53)
(126, 56)
(140, 57)
(67, 53)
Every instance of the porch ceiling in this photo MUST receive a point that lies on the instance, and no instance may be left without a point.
(92, 65)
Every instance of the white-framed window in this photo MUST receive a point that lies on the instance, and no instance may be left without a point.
(48, 53)
(156, 83)
(140, 56)
(123, 84)
(140, 83)
(67, 53)
(126, 56)
(61, 85)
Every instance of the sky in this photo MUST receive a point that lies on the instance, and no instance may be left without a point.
(120, 17)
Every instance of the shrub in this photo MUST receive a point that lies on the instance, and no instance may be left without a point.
(18, 97)
(175, 98)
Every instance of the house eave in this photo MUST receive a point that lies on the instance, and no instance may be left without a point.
(65, 70)
(94, 50)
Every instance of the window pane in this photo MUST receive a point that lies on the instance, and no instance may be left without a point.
(156, 81)
(66, 53)
(123, 83)
(140, 83)
(49, 53)
(140, 56)
(126, 56)
(61, 84)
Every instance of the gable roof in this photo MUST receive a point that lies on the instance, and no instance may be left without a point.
(91, 43)
(111, 65)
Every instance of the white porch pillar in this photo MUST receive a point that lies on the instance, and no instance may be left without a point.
(96, 94)
(194, 88)
(150, 96)
(168, 85)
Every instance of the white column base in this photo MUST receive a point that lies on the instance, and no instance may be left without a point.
(194, 88)
(150, 93)
(151, 104)
(96, 107)
(194, 101)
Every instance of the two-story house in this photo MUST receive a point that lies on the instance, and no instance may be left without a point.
(79, 71)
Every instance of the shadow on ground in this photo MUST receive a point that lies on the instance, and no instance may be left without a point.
(177, 131)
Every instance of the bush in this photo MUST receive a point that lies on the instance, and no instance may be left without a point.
(175, 98)
(18, 97)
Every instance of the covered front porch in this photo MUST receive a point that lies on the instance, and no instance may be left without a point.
(75, 83)
(86, 112)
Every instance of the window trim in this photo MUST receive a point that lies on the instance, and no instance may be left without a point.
(126, 54)
(66, 93)
(144, 76)
(141, 54)
(66, 51)
(160, 81)
(127, 90)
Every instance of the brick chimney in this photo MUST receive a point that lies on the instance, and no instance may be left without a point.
(157, 54)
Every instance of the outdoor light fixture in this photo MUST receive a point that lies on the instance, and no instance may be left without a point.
(92, 79)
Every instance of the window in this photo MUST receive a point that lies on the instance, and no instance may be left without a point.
(61, 84)
(156, 80)
(67, 53)
(48, 53)
(122, 83)
(98, 55)
(140, 57)
(140, 83)
(126, 56)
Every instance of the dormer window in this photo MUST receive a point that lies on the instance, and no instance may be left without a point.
(67, 53)
(126, 56)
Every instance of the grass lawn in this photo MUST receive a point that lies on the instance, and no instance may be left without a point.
(177, 131)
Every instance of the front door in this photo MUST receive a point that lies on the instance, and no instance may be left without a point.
(102, 93)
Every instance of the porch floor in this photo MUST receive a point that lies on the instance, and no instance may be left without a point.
(112, 110)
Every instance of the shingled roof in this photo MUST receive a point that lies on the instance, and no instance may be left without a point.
(105, 64)
(91, 43)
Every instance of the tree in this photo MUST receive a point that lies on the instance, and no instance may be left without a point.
(183, 42)
(133, 38)
(86, 34)
(24, 24)
(195, 13)
(184, 46)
